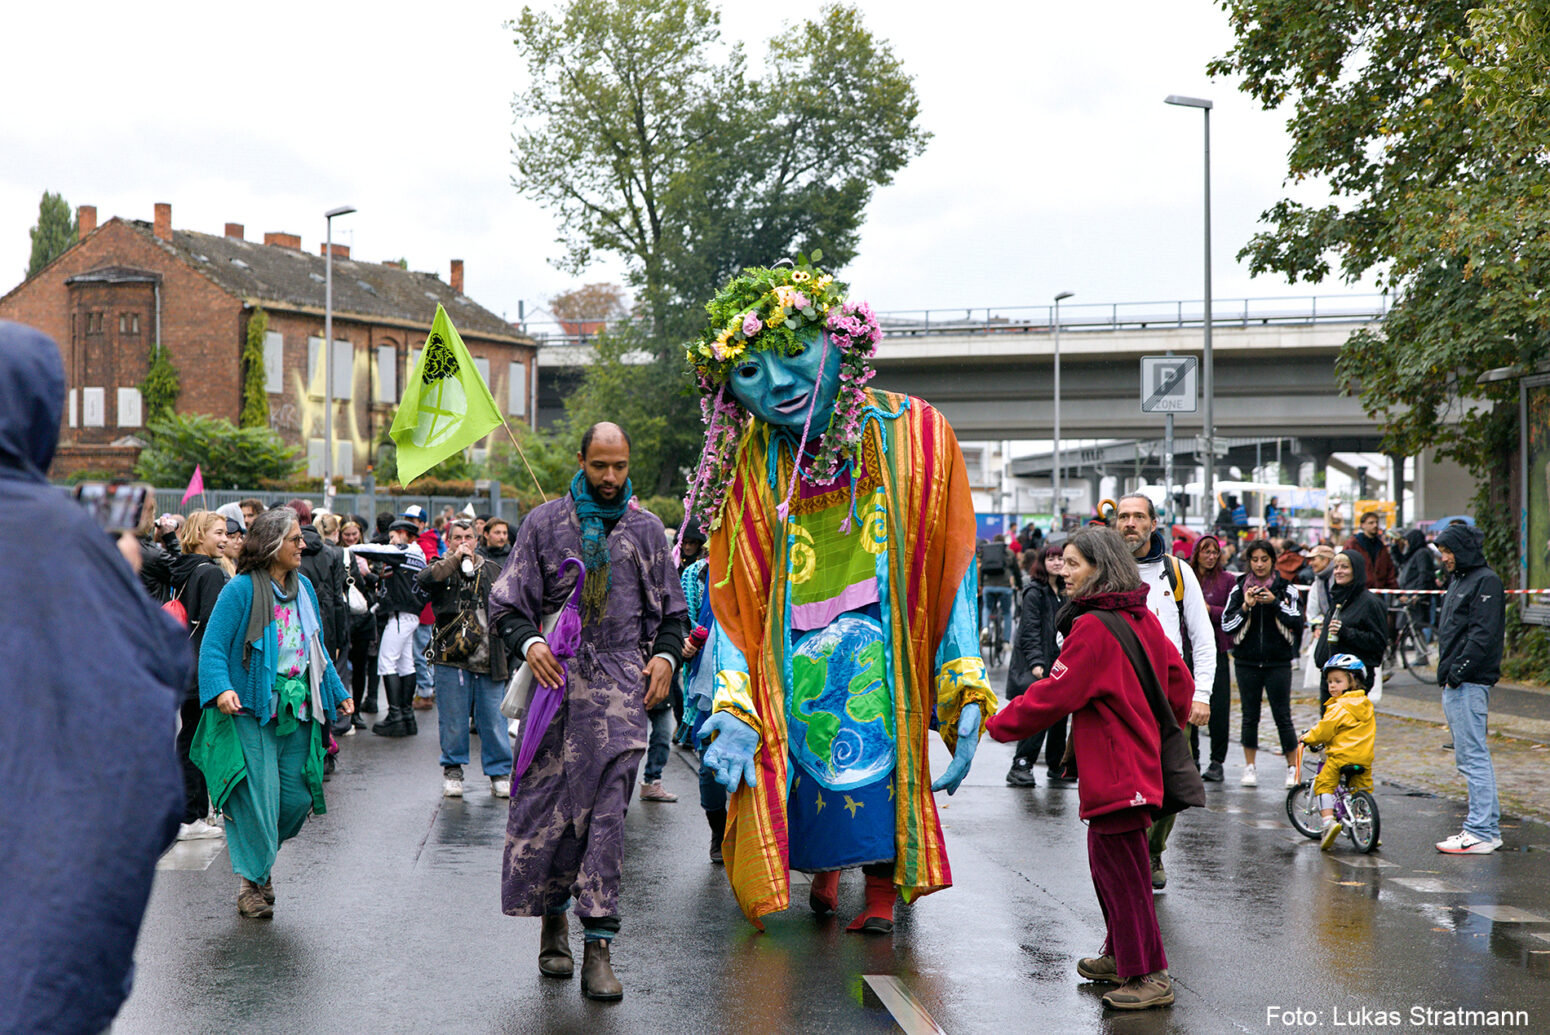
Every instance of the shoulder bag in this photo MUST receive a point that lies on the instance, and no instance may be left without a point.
(1182, 786)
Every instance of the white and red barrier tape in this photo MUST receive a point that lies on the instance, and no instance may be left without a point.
(1440, 592)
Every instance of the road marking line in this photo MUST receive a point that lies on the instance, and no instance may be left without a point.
(907, 1011)
(191, 855)
(1506, 914)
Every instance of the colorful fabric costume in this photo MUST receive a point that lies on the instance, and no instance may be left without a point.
(849, 629)
(565, 827)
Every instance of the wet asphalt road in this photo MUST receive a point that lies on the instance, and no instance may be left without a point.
(388, 920)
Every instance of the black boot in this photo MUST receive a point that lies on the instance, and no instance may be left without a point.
(393, 724)
(718, 828)
(411, 724)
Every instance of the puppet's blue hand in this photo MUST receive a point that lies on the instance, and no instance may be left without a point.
(731, 755)
(963, 754)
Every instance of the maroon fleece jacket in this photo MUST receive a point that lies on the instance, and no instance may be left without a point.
(1116, 738)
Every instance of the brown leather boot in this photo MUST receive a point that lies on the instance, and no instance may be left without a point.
(554, 955)
(250, 901)
(597, 973)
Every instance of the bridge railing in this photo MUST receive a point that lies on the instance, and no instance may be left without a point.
(1115, 316)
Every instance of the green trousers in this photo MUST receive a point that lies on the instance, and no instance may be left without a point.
(1157, 836)
(272, 803)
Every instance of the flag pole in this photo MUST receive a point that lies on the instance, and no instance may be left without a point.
(529, 466)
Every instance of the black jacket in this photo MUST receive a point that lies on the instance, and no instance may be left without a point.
(397, 566)
(197, 581)
(1364, 621)
(1264, 634)
(1420, 568)
(1035, 640)
(156, 568)
(1469, 630)
(323, 564)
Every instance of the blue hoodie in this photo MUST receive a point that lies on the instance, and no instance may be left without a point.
(91, 672)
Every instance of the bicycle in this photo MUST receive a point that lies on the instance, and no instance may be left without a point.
(1409, 645)
(993, 644)
(1357, 811)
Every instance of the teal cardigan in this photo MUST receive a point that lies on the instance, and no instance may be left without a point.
(220, 657)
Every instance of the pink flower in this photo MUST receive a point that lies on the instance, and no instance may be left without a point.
(751, 324)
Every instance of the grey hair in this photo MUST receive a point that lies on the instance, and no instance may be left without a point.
(265, 537)
(1106, 550)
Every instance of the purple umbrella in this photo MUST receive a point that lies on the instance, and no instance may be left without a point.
(545, 703)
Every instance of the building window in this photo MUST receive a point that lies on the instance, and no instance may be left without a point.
(344, 458)
(93, 407)
(134, 323)
(123, 323)
(483, 366)
(274, 362)
(344, 368)
(93, 323)
(387, 374)
(73, 417)
(516, 389)
(129, 407)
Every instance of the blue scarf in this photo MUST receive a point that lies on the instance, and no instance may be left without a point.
(594, 541)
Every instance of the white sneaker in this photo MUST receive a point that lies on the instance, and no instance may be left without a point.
(1250, 777)
(1465, 843)
(451, 788)
(197, 830)
(1291, 776)
(500, 786)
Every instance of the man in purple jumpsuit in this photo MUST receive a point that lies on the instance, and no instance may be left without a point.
(565, 828)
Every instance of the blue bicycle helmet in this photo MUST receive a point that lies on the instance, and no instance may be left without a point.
(1348, 663)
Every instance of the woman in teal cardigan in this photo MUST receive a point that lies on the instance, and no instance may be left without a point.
(263, 667)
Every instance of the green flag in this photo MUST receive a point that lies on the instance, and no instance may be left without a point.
(446, 407)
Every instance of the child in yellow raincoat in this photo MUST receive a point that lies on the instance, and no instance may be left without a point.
(1348, 731)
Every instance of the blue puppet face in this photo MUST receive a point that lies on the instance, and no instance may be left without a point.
(779, 389)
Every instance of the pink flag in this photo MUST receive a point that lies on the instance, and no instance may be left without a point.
(196, 484)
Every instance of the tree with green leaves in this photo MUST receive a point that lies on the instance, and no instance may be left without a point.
(228, 456)
(653, 142)
(161, 387)
(255, 391)
(56, 230)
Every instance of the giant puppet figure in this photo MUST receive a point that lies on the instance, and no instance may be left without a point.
(842, 577)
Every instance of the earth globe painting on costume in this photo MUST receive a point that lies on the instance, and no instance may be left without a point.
(842, 578)
(840, 714)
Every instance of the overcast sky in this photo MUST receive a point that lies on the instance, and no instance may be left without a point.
(1054, 165)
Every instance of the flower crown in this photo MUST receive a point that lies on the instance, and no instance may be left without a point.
(778, 308)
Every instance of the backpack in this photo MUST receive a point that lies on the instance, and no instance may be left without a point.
(993, 559)
(175, 608)
(1176, 587)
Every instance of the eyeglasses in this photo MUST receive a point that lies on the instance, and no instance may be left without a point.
(296, 539)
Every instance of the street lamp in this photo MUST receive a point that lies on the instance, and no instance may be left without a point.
(1207, 375)
(328, 348)
(1060, 510)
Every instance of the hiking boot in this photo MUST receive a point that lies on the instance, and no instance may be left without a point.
(654, 791)
(1213, 773)
(597, 973)
(1250, 777)
(452, 782)
(1142, 993)
(554, 955)
(1098, 968)
(1021, 774)
(1332, 828)
(1159, 875)
(251, 901)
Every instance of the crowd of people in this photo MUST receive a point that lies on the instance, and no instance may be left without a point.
(1270, 603)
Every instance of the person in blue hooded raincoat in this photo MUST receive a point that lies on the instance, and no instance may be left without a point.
(90, 787)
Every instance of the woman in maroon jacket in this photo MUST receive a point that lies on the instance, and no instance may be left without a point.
(1118, 745)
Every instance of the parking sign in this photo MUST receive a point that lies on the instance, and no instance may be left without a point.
(1168, 384)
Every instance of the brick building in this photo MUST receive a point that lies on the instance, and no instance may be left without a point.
(126, 284)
